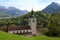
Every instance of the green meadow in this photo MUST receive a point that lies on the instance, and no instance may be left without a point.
(7, 36)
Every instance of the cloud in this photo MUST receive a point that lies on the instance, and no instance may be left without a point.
(27, 4)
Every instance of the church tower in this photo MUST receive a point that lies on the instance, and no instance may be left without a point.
(32, 23)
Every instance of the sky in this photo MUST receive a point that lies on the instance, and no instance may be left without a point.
(27, 4)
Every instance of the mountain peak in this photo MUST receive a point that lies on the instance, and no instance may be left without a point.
(11, 12)
(52, 8)
(54, 3)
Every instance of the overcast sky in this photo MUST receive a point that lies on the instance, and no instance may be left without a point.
(27, 4)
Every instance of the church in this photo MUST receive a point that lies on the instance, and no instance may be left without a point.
(25, 30)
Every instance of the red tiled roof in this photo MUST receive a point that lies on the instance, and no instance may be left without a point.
(19, 28)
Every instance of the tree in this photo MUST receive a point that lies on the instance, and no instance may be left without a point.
(54, 26)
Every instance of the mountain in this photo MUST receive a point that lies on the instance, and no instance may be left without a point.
(52, 8)
(11, 12)
(15, 12)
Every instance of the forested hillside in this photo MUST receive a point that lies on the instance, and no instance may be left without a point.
(48, 24)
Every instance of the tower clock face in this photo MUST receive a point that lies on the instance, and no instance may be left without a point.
(33, 20)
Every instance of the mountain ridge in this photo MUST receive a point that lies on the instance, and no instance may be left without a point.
(11, 11)
(52, 8)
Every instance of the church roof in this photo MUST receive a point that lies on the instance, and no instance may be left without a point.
(12, 28)
(19, 28)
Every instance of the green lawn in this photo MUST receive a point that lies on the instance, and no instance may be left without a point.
(6, 36)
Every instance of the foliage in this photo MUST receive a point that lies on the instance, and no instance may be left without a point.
(44, 20)
(54, 26)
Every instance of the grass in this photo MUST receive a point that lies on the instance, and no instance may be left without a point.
(6, 36)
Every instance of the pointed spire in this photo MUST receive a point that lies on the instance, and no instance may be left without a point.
(32, 12)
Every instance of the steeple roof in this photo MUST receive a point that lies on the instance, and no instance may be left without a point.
(32, 14)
